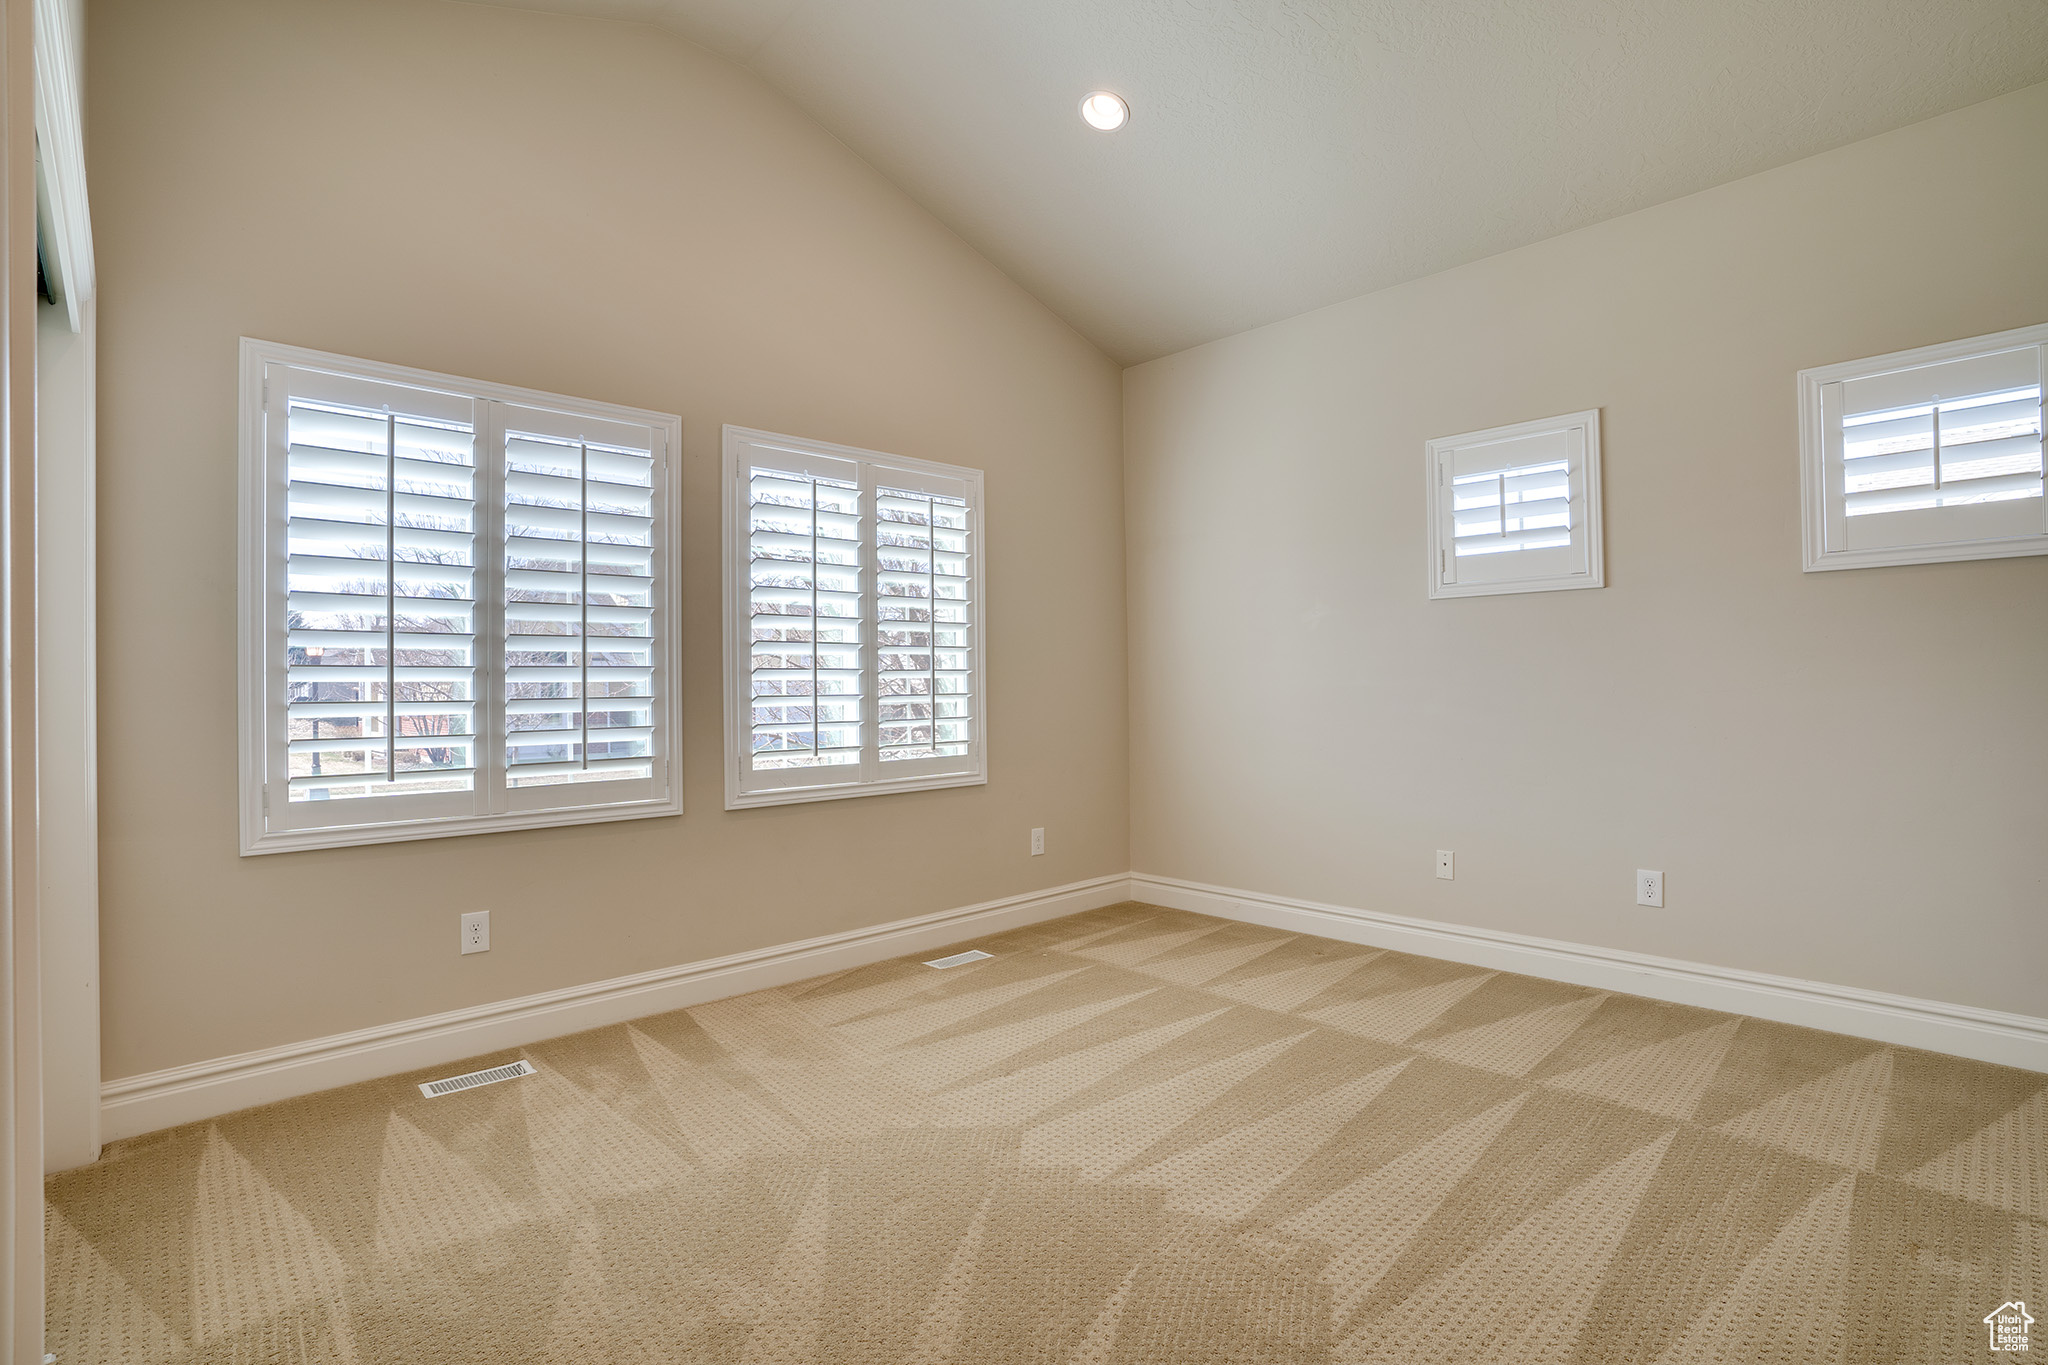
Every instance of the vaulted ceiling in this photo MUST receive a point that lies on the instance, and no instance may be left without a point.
(1285, 154)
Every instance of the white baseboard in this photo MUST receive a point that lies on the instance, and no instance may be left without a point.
(185, 1094)
(1959, 1030)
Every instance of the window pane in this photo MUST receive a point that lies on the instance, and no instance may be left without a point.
(923, 653)
(580, 643)
(805, 621)
(380, 581)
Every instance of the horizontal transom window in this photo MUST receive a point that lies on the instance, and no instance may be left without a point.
(1925, 455)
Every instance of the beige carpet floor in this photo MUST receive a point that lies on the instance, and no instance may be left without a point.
(1133, 1136)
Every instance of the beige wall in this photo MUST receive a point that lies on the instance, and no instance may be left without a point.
(1843, 775)
(595, 209)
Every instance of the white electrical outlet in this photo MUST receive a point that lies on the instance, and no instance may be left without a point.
(476, 932)
(1443, 863)
(1649, 887)
(1037, 842)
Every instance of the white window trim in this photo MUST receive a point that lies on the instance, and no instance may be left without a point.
(738, 615)
(255, 596)
(1434, 452)
(1813, 436)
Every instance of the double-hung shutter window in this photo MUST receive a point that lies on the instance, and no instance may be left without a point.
(854, 621)
(1932, 454)
(455, 613)
(1516, 508)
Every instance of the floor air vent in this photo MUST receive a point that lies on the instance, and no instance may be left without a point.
(960, 959)
(476, 1078)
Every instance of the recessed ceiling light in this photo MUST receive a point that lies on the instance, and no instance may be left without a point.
(1105, 111)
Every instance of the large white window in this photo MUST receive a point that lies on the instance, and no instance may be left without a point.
(1516, 508)
(457, 608)
(854, 589)
(1925, 455)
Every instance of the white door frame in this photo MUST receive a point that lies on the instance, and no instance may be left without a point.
(21, 1139)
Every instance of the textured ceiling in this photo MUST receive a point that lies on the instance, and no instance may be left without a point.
(1285, 154)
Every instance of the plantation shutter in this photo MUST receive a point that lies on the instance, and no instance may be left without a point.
(807, 619)
(855, 654)
(1513, 508)
(924, 606)
(457, 606)
(373, 654)
(582, 700)
(1936, 453)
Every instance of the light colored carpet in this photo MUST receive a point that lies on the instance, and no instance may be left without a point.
(1134, 1136)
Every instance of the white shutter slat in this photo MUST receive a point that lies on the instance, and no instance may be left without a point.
(444, 511)
(573, 611)
(846, 676)
(374, 639)
(637, 559)
(574, 735)
(567, 524)
(1987, 377)
(313, 565)
(372, 603)
(560, 490)
(569, 674)
(566, 706)
(626, 466)
(406, 740)
(411, 540)
(1484, 519)
(768, 541)
(1952, 493)
(2025, 448)
(341, 786)
(578, 770)
(1536, 537)
(817, 600)
(325, 674)
(364, 468)
(562, 580)
(306, 710)
(1868, 459)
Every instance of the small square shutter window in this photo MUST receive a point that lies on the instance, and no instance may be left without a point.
(854, 584)
(1516, 508)
(1925, 455)
(456, 607)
